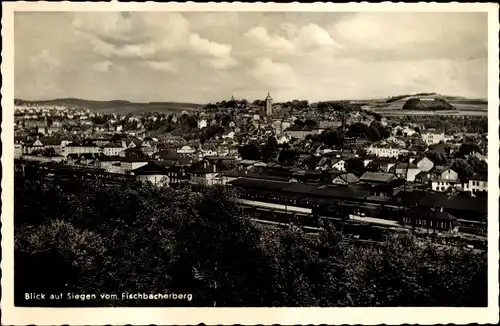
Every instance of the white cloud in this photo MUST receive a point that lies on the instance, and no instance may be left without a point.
(102, 66)
(312, 36)
(220, 63)
(206, 47)
(314, 56)
(260, 36)
(107, 66)
(275, 75)
(44, 60)
(160, 66)
(410, 35)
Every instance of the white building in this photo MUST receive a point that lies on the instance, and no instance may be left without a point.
(202, 124)
(186, 150)
(112, 149)
(478, 183)
(431, 138)
(228, 134)
(81, 149)
(386, 151)
(18, 150)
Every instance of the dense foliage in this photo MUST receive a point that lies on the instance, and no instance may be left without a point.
(139, 238)
(436, 104)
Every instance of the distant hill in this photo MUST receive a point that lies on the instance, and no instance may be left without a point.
(400, 97)
(437, 104)
(429, 102)
(117, 106)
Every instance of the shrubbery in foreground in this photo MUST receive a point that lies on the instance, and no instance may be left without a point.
(138, 238)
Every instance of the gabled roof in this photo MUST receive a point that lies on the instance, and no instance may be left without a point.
(106, 158)
(131, 159)
(377, 177)
(404, 166)
(137, 142)
(348, 177)
(479, 177)
(150, 169)
(421, 212)
(113, 145)
(223, 158)
(440, 168)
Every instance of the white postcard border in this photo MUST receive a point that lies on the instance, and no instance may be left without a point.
(92, 316)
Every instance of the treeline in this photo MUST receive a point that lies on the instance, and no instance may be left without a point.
(437, 104)
(400, 97)
(137, 238)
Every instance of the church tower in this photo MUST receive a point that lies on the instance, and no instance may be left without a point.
(269, 105)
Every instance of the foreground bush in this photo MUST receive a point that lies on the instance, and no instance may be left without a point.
(138, 238)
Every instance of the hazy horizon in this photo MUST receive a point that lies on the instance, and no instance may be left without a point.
(201, 57)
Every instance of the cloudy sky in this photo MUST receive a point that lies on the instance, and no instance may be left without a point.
(209, 56)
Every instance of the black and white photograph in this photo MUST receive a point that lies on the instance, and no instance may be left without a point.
(238, 158)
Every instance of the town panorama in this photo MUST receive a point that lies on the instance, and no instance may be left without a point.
(251, 198)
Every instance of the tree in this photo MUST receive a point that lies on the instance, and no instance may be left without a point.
(299, 122)
(477, 164)
(355, 166)
(249, 152)
(436, 157)
(272, 143)
(466, 149)
(225, 120)
(463, 169)
(163, 240)
(218, 270)
(116, 138)
(288, 157)
(49, 152)
(310, 122)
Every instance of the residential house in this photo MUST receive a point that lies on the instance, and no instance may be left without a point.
(112, 149)
(151, 172)
(202, 124)
(177, 175)
(385, 150)
(422, 180)
(203, 173)
(105, 161)
(82, 148)
(131, 142)
(33, 146)
(131, 163)
(424, 164)
(228, 134)
(132, 151)
(186, 150)
(329, 162)
(478, 183)
(407, 171)
(432, 137)
(18, 150)
(383, 164)
(444, 178)
(345, 179)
